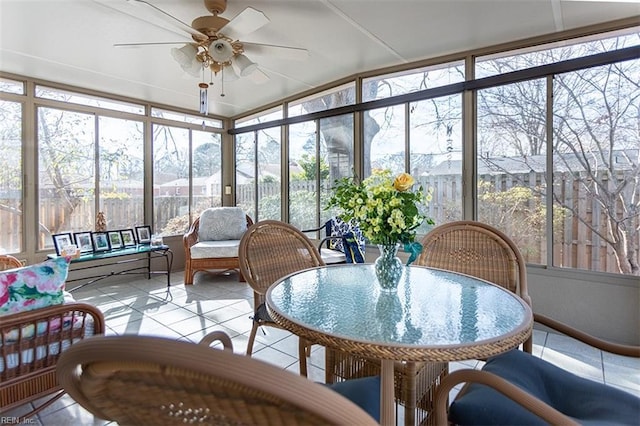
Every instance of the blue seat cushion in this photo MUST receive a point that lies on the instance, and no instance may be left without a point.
(364, 392)
(586, 401)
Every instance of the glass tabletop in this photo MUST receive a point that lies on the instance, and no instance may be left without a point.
(430, 308)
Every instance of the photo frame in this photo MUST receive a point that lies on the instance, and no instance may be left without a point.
(84, 241)
(128, 237)
(115, 239)
(100, 241)
(143, 234)
(60, 241)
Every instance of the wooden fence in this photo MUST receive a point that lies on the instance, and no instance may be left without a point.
(575, 244)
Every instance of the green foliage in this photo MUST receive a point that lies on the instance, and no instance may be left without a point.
(385, 208)
(308, 164)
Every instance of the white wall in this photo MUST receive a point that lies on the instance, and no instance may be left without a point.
(604, 305)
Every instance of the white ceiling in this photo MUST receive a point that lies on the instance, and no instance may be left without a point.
(71, 41)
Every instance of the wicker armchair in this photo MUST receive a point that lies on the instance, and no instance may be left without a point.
(170, 382)
(42, 334)
(9, 262)
(270, 250)
(197, 262)
(520, 388)
(477, 249)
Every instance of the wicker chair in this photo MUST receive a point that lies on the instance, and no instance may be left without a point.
(9, 262)
(23, 379)
(270, 250)
(479, 250)
(195, 264)
(170, 382)
(523, 389)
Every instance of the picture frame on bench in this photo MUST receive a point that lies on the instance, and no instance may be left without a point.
(115, 239)
(100, 241)
(143, 234)
(60, 241)
(84, 241)
(128, 238)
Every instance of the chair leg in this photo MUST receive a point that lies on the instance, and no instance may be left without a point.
(302, 353)
(188, 274)
(252, 337)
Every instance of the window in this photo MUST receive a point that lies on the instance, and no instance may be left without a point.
(88, 100)
(261, 117)
(435, 158)
(385, 139)
(206, 171)
(66, 173)
(511, 164)
(11, 86)
(400, 83)
(332, 98)
(246, 186)
(303, 166)
(10, 177)
(170, 179)
(186, 118)
(593, 153)
(596, 168)
(121, 163)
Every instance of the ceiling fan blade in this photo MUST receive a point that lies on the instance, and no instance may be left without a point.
(258, 77)
(244, 23)
(154, 16)
(168, 18)
(283, 52)
(151, 43)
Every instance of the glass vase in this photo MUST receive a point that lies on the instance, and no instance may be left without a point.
(388, 267)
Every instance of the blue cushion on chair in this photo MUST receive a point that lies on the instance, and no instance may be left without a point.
(352, 251)
(586, 401)
(364, 392)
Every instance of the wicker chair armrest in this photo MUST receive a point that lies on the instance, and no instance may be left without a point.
(614, 348)
(531, 403)
(24, 318)
(191, 236)
(217, 336)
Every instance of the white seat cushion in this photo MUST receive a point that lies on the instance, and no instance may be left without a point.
(332, 256)
(208, 249)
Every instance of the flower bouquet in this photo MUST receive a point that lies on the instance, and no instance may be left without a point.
(387, 211)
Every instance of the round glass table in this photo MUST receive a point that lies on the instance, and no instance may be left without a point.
(435, 316)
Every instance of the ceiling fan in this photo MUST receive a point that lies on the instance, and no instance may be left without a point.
(216, 43)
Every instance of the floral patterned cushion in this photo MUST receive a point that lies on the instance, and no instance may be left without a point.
(33, 287)
(337, 227)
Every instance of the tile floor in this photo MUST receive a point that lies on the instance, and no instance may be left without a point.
(220, 302)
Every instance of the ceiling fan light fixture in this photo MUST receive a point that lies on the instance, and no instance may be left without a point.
(221, 51)
(245, 65)
(184, 55)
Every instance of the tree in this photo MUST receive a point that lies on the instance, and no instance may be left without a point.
(309, 164)
(596, 144)
(206, 159)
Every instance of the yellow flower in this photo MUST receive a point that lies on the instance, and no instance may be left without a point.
(403, 182)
